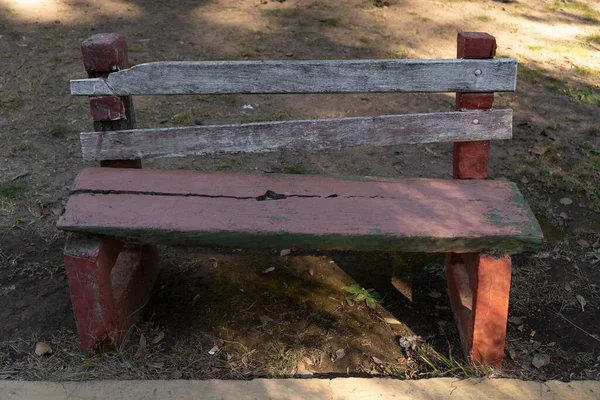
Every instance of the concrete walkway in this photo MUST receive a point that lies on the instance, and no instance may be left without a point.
(304, 389)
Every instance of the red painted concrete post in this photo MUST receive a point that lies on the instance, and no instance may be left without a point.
(109, 281)
(89, 261)
(479, 287)
(478, 283)
(102, 54)
(470, 159)
(489, 278)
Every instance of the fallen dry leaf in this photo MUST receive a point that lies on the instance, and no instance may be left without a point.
(538, 151)
(539, 360)
(311, 272)
(583, 243)
(270, 269)
(141, 347)
(285, 252)
(392, 321)
(565, 201)
(158, 338)
(512, 353)
(42, 348)
(377, 361)
(156, 365)
(214, 350)
(568, 286)
(581, 301)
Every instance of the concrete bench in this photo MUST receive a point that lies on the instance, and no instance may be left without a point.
(119, 213)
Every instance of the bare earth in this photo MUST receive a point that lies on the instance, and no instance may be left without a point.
(294, 320)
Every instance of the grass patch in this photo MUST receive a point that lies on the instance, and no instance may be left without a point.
(23, 147)
(535, 47)
(586, 95)
(483, 18)
(587, 72)
(284, 359)
(59, 131)
(586, 11)
(294, 169)
(538, 77)
(266, 117)
(397, 54)
(593, 39)
(331, 22)
(363, 39)
(12, 189)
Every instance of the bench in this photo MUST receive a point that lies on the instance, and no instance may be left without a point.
(117, 214)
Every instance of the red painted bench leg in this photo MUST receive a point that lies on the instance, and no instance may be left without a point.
(479, 287)
(109, 284)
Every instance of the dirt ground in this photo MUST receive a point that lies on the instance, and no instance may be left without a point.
(295, 320)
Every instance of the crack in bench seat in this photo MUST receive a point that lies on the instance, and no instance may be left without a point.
(301, 211)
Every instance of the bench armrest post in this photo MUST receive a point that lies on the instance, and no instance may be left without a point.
(103, 54)
(470, 159)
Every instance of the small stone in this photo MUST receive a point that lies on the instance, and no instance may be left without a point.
(564, 216)
(568, 287)
(285, 252)
(311, 272)
(268, 270)
(214, 350)
(290, 54)
(524, 180)
(42, 348)
(565, 201)
(516, 320)
(176, 375)
(339, 354)
(435, 294)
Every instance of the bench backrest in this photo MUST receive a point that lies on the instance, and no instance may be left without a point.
(478, 76)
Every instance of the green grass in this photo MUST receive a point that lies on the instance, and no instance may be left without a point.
(331, 22)
(363, 39)
(587, 72)
(535, 47)
(294, 169)
(59, 131)
(586, 95)
(538, 77)
(12, 189)
(586, 10)
(593, 39)
(266, 117)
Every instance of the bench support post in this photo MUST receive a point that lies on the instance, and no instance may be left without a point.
(109, 281)
(478, 283)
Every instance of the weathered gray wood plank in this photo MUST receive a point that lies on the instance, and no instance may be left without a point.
(323, 76)
(297, 135)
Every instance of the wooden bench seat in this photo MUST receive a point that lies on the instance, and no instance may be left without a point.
(301, 211)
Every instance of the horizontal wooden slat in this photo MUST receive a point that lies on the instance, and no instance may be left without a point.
(322, 76)
(221, 210)
(297, 135)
